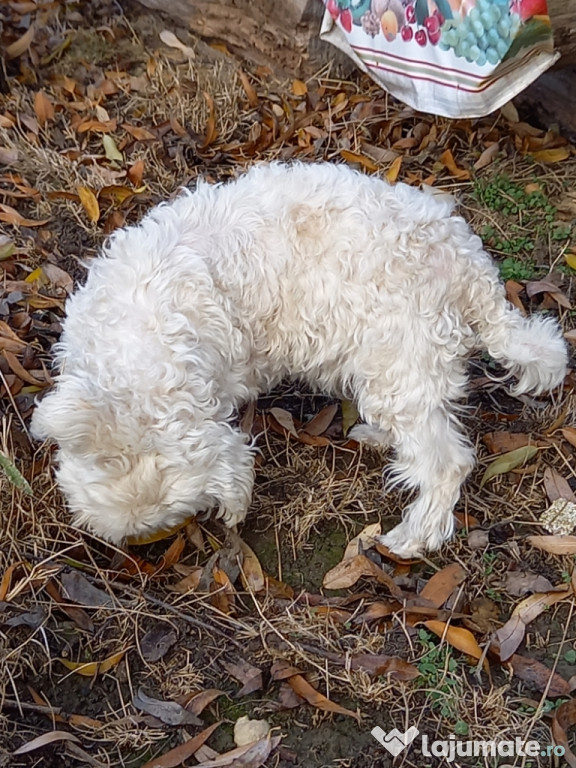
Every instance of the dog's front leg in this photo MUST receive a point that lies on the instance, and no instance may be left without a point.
(434, 456)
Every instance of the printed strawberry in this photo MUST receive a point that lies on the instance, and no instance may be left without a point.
(528, 8)
(346, 20)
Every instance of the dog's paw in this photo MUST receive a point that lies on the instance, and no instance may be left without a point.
(364, 433)
(401, 541)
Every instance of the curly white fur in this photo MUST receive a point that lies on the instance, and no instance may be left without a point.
(360, 288)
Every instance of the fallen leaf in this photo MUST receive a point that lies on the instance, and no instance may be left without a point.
(569, 433)
(487, 156)
(58, 277)
(512, 633)
(169, 712)
(249, 756)
(78, 589)
(555, 545)
(249, 89)
(458, 637)
(249, 675)
(78, 615)
(211, 133)
(513, 291)
(519, 583)
(43, 107)
(156, 643)
(136, 172)
(11, 216)
(347, 573)
(505, 442)
(111, 150)
(303, 688)
(394, 171)
(565, 718)
(320, 423)
(299, 88)
(357, 157)
(284, 418)
(350, 416)
(172, 554)
(170, 39)
(282, 670)
(363, 541)
(447, 159)
(439, 588)
(570, 259)
(379, 665)
(251, 573)
(198, 702)
(539, 675)
(89, 203)
(44, 740)
(509, 461)
(21, 45)
(93, 668)
(177, 756)
(551, 155)
(484, 616)
(13, 473)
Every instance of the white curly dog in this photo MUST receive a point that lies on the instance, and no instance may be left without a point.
(362, 289)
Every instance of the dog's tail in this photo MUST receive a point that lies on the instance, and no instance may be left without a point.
(533, 349)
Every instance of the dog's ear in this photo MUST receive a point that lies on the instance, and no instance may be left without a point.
(73, 422)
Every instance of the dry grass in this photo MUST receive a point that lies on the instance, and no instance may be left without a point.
(308, 501)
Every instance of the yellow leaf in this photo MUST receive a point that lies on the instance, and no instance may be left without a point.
(447, 159)
(356, 157)
(551, 155)
(111, 150)
(509, 461)
(89, 203)
(349, 416)
(570, 259)
(299, 88)
(93, 668)
(37, 274)
(158, 535)
(458, 637)
(393, 172)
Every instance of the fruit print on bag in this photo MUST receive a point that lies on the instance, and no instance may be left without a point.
(457, 44)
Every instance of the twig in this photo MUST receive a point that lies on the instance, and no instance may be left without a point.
(27, 707)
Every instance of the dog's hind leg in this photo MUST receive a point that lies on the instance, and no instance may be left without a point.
(434, 456)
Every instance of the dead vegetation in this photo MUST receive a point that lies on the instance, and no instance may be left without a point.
(151, 655)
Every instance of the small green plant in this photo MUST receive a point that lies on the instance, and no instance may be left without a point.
(437, 668)
(570, 656)
(489, 560)
(515, 269)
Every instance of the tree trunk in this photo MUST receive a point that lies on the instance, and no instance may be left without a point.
(284, 35)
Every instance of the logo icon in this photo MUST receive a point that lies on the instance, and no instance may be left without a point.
(395, 741)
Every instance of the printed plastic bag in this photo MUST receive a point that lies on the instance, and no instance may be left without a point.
(457, 58)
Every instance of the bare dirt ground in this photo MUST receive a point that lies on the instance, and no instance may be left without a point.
(118, 657)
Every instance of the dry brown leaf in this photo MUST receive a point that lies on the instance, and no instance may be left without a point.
(565, 718)
(382, 665)
(512, 633)
(20, 46)
(447, 159)
(320, 423)
(172, 554)
(299, 88)
(347, 573)
(251, 574)
(43, 107)
(78, 589)
(513, 291)
(357, 157)
(246, 673)
(520, 583)
(458, 637)
(198, 702)
(251, 755)
(89, 203)
(539, 675)
(555, 545)
(156, 643)
(504, 442)
(44, 740)
(211, 133)
(363, 541)
(439, 588)
(487, 156)
(303, 688)
(556, 486)
(18, 369)
(136, 172)
(11, 216)
(248, 87)
(569, 433)
(169, 712)
(281, 670)
(175, 757)
(284, 418)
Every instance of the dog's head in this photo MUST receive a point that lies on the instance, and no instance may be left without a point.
(116, 480)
